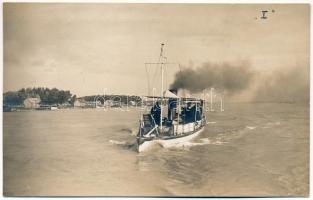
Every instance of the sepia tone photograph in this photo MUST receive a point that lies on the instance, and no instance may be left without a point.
(156, 100)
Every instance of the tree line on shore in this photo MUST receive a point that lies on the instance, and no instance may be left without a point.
(56, 96)
(47, 96)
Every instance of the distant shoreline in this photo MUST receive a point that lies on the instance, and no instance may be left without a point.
(125, 107)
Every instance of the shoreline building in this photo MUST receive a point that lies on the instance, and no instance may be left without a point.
(32, 103)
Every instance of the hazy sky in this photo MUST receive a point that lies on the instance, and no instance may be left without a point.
(85, 48)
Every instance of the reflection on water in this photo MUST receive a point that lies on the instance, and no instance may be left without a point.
(250, 149)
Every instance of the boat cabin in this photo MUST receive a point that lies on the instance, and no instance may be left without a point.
(172, 116)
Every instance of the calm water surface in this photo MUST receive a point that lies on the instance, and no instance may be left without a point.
(248, 150)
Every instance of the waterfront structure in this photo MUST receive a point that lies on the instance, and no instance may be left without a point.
(32, 103)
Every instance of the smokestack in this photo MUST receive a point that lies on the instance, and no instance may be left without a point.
(172, 105)
(174, 91)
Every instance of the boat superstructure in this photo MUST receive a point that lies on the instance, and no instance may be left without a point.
(172, 120)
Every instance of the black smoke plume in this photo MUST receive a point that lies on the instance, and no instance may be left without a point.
(290, 86)
(225, 77)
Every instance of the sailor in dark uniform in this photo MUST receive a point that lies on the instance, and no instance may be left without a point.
(199, 113)
(156, 113)
(193, 111)
(189, 112)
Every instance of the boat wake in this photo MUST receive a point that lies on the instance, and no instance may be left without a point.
(203, 141)
(217, 141)
(131, 131)
(250, 127)
(271, 124)
(117, 142)
(220, 139)
(124, 145)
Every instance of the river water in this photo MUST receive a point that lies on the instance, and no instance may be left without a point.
(247, 150)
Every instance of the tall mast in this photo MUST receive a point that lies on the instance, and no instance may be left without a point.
(161, 63)
(162, 74)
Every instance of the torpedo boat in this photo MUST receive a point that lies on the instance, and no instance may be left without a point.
(172, 120)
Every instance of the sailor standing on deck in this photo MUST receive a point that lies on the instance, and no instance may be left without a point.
(156, 113)
(189, 112)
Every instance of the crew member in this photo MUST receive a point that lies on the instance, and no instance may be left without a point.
(156, 113)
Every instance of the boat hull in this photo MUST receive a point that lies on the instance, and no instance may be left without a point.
(167, 143)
